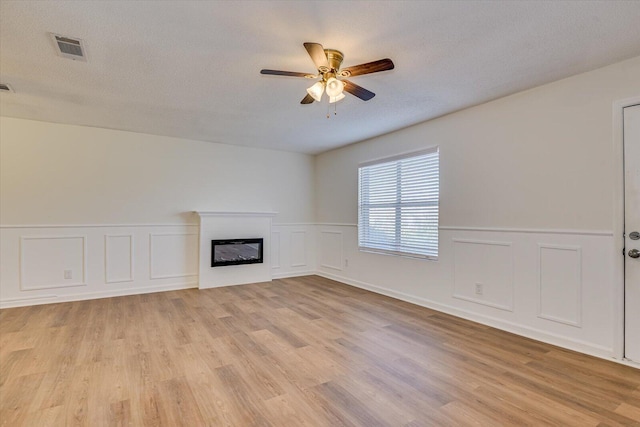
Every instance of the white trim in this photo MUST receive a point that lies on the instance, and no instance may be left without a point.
(83, 282)
(93, 225)
(333, 267)
(322, 224)
(274, 240)
(502, 229)
(531, 230)
(106, 258)
(10, 303)
(243, 214)
(168, 276)
(509, 307)
(618, 221)
(288, 274)
(10, 300)
(525, 331)
(294, 224)
(578, 322)
(486, 303)
(304, 242)
(482, 242)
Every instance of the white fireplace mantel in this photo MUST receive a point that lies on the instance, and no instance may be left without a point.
(217, 225)
(224, 213)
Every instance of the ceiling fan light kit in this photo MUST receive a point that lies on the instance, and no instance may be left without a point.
(328, 62)
(316, 91)
(334, 87)
(333, 99)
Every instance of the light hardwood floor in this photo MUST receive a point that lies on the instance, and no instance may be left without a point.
(295, 352)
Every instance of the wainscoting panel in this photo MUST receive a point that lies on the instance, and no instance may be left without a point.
(118, 258)
(483, 272)
(295, 246)
(298, 248)
(275, 249)
(52, 262)
(560, 281)
(98, 261)
(331, 249)
(173, 255)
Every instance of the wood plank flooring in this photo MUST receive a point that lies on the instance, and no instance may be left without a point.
(294, 352)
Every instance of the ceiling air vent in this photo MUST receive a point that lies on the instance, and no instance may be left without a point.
(5, 88)
(68, 47)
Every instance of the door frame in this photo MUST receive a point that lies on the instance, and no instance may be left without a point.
(618, 223)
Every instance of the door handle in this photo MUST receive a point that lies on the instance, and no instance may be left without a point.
(634, 253)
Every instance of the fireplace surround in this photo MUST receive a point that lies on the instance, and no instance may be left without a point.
(233, 226)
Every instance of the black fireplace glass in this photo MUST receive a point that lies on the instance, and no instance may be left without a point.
(236, 252)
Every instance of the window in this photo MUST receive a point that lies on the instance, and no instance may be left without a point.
(398, 205)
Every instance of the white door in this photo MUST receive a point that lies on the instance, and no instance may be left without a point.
(632, 232)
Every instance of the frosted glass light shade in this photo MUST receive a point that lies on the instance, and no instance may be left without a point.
(334, 87)
(333, 99)
(316, 91)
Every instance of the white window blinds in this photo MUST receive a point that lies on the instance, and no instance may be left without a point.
(398, 205)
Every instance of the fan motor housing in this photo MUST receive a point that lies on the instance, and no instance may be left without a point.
(334, 57)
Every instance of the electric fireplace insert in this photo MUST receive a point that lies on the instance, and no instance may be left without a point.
(236, 252)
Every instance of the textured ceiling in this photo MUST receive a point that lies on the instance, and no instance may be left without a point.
(191, 69)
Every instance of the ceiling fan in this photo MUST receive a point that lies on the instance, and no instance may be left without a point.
(332, 78)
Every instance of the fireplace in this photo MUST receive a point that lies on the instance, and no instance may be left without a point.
(236, 252)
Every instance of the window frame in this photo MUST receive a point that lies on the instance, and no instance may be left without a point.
(398, 206)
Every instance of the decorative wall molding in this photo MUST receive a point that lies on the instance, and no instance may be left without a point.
(531, 230)
(509, 275)
(9, 301)
(107, 260)
(236, 214)
(298, 248)
(293, 274)
(34, 261)
(323, 250)
(96, 225)
(555, 288)
(49, 299)
(25, 286)
(152, 273)
(275, 249)
(324, 224)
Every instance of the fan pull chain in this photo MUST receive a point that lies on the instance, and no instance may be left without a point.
(335, 110)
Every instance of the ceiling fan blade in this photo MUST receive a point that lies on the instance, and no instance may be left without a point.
(307, 100)
(368, 68)
(287, 73)
(358, 91)
(316, 52)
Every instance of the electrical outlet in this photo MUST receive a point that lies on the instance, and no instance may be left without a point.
(479, 289)
(68, 274)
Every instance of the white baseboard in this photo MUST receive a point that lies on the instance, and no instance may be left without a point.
(293, 274)
(576, 345)
(52, 299)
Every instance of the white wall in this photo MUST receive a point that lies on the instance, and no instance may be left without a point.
(537, 159)
(62, 174)
(526, 209)
(116, 208)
